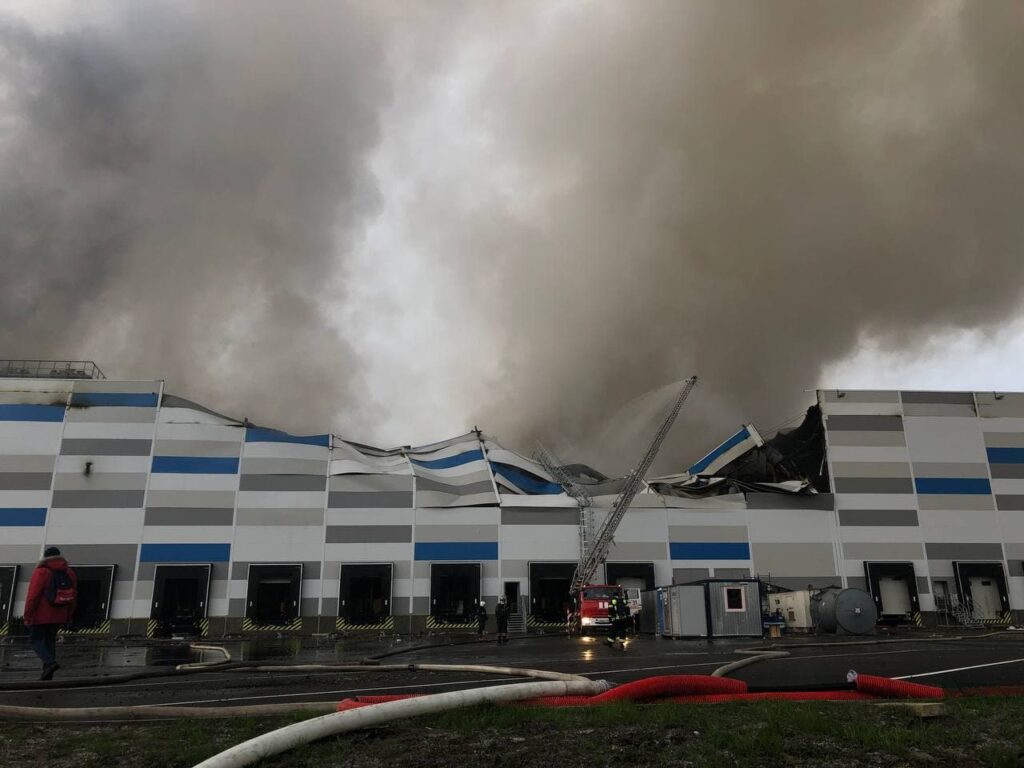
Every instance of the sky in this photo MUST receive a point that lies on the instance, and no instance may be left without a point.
(396, 221)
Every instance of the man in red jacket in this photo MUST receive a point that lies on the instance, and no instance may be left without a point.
(49, 605)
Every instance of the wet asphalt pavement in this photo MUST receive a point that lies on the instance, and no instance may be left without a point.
(985, 661)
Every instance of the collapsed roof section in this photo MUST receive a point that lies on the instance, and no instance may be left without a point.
(459, 471)
(791, 462)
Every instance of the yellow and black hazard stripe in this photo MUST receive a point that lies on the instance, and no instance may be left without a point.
(435, 623)
(534, 622)
(4, 628)
(388, 623)
(916, 618)
(248, 625)
(103, 628)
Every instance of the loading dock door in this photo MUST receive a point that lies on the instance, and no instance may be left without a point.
(95, 587)
(631, 574)
(454, 590)
(8, 579)
(273, 594)
(365, 595)
(549, 591)
(893, 587)
(983, 587)
(180, 597)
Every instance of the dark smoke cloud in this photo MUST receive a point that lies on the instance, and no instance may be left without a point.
(177, 190)
(603, 197)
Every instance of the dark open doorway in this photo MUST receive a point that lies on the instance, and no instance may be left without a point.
(631, 575)
(95, 587)
(274, 593)
(365, 595)
(8, 578)
(454, 590)
(549, 591)
(180, 595)
(512, 596)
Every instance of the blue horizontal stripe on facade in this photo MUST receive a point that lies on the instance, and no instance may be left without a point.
(975, 486)
(709, 550)
(185, 553)
(450, 461)
(456, 550)
(29, 517)
(10, 412)
(195, 465)
(732, 442)
(1005, 455)
(256, 435)
(126, 399)
(525, 481)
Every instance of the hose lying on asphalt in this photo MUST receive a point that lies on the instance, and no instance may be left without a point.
(283, 739)
(205, 664)
(756, 657)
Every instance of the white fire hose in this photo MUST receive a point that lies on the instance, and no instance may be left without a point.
(283, 739)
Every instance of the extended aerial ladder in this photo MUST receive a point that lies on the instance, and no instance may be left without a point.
(556, 469)
(596, 550)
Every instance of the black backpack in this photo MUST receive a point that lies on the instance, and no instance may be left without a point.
(60, 591)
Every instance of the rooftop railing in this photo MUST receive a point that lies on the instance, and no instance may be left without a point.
(50, 369)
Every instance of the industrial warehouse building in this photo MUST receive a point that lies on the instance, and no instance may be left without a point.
(179, 519)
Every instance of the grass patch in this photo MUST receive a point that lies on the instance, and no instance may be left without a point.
(976, 733)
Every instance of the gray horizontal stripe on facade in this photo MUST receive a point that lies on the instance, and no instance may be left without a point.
(369, 534)
(863, 396)
(883, 550)
(100, 481)
(189, 516)
(540, 517)
(956, 550)
(838, 423)
(274, 466)
(222, 499)
(1011, 502)
(428, 499)
(121, 555)
(310, 568)
(1004, 439)
(1007, 471)
(280, 516)
(686, 575)
(369, 500)
(482, 486)
(938, 409)
(446, 533)
(98, 499)
(871, 469)
(941, 398)
(949, 469)
(824, 501)
(25, 481)
(873, 485)
(202, 448)
(892, 439)
(33, 464)
(104, 447)
(974, 502)
(711, 533)
(881, 517)
(112, 414)
(371, 483)
(282, 483)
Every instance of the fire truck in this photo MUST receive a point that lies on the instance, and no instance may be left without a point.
(591, 614)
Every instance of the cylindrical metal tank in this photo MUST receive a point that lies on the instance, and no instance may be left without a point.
(851, 611)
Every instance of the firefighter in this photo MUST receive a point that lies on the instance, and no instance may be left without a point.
(625, 619)
(481, 619)
(501, 615)
(614, 623)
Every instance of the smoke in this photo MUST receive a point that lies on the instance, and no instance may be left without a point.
(521, 216)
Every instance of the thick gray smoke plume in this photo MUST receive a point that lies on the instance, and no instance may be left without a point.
(524, 216)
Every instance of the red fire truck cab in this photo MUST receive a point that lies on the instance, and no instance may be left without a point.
(591, 614)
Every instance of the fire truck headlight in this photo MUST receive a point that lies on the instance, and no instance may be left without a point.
(587, 621)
